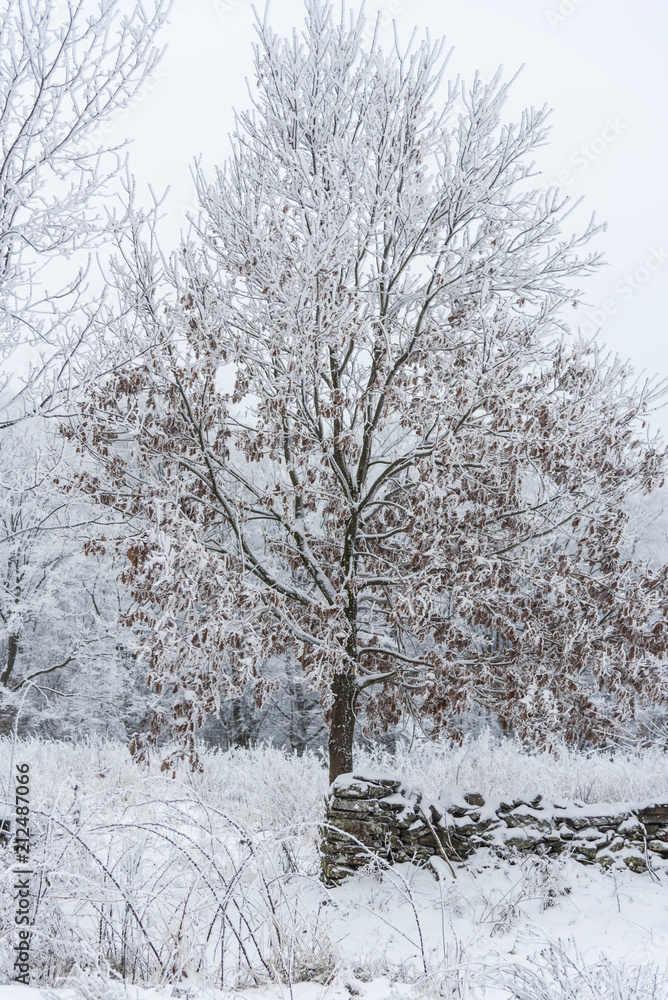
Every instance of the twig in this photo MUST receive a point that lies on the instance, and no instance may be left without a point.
(438, 841)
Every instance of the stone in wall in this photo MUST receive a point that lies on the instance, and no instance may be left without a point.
(376, 816)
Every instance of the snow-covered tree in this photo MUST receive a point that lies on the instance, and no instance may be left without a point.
(359, 429)
(65, 69)
(66, 664)
(648, 527)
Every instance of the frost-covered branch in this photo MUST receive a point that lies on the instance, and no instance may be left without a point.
(65, 70)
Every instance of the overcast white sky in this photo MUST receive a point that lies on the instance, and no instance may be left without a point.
(602, 65)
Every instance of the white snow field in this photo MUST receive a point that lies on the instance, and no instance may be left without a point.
(147, 886)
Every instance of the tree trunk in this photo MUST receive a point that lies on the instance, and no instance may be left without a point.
(12, 650)
(342, 726)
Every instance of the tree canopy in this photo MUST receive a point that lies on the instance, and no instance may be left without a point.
(417, 480)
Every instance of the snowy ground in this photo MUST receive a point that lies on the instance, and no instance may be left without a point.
(165, 880)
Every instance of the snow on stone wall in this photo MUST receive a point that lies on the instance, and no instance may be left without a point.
(378, 816)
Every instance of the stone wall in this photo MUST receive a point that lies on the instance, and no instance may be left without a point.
(377, 816)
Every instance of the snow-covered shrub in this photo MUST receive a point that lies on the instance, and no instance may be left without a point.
(500, 766)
